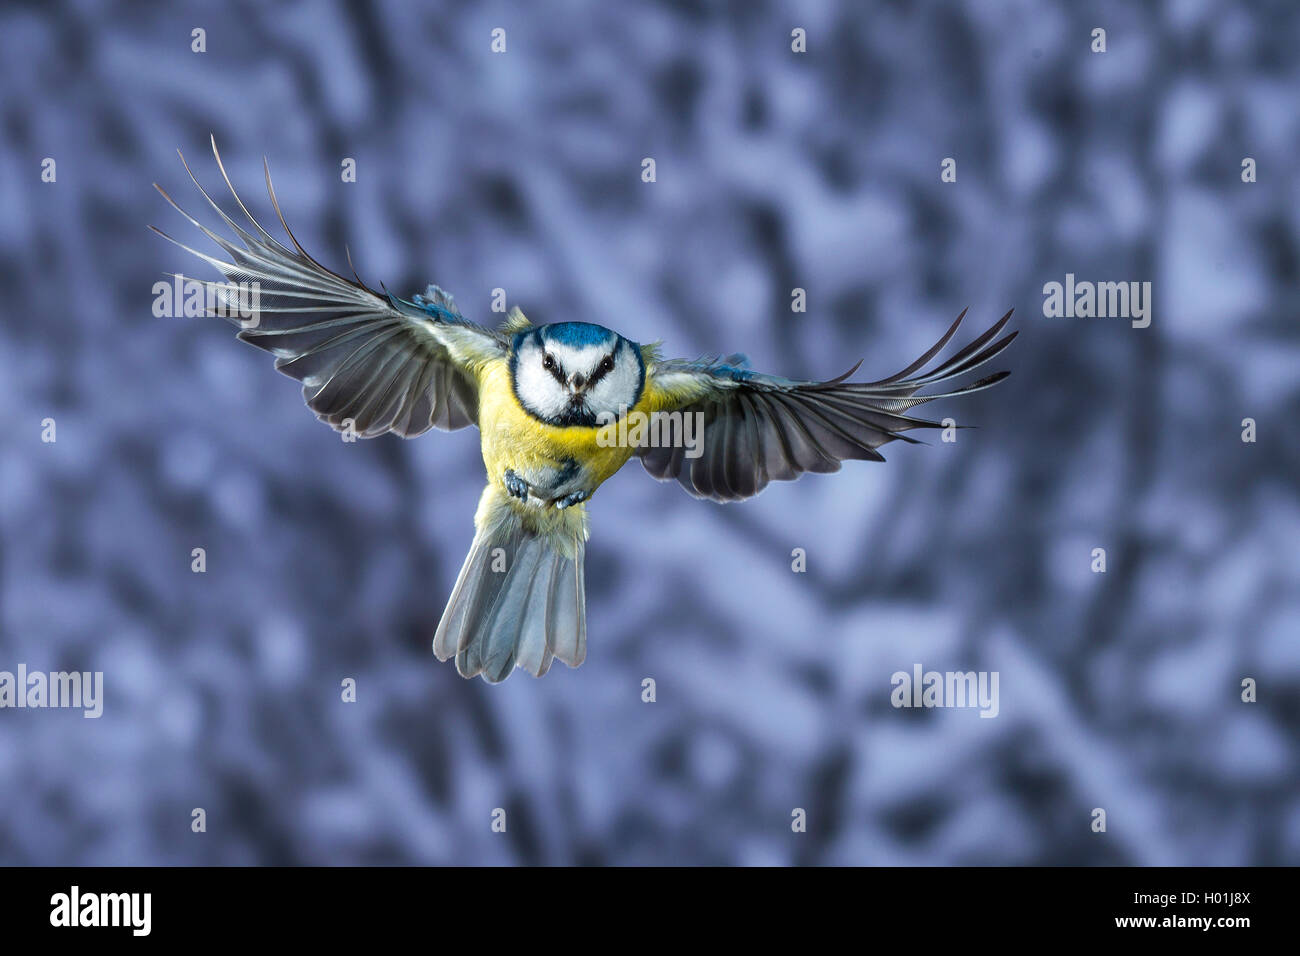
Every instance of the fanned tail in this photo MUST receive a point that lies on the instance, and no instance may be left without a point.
(520, 600)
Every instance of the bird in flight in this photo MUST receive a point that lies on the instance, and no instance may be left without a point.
(560, 409)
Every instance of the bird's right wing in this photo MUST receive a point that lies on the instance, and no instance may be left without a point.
(368, 363)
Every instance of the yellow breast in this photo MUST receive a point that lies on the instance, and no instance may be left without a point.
(514, 439)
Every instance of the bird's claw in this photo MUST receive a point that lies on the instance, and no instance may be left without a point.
(573, 498)
(516, 487)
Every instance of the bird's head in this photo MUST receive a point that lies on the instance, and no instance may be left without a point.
(574, 373)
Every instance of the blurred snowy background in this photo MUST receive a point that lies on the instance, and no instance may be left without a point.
(775, 170)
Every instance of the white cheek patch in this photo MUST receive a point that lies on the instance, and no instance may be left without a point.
(537, 388)
(617, 388)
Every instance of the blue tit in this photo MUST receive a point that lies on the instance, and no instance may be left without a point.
(556, 406)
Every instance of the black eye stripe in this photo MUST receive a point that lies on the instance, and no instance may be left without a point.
(604, 368)
(552, 366)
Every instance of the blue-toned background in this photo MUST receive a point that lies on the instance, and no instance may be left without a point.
(775, 170)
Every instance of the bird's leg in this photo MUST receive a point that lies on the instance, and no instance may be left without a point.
(565, 488)
(573, 498)
(550, 485)
(516, 486)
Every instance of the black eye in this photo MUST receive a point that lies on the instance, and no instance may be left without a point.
(548, 362)
(608, 364)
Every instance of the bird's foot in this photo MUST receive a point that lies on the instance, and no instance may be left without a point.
(516, 487)
(573, 498)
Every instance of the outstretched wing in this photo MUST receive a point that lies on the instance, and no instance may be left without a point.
(369, 362)
(760, 428)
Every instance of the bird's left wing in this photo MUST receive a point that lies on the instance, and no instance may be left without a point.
(368, 363)
(759, 428)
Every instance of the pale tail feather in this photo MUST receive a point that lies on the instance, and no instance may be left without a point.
(520, 606)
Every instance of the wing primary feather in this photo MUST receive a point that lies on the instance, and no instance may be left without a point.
(246, 237)
(229, 185)
(931, 353)
(275, 204)
(971, 348)
(969, 363)
(221, 266)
